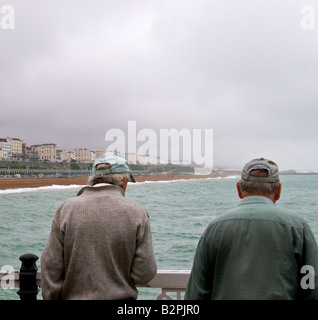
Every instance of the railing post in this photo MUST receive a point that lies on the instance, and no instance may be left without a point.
(28, 288)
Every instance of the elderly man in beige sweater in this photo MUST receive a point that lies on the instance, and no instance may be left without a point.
(100, 245)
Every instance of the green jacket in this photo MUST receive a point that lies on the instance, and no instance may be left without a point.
(255, 251)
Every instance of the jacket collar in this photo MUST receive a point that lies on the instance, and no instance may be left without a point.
(101, 186)
(256, 199)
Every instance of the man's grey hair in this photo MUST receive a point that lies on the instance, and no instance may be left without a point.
(111, 178)
(265, 188)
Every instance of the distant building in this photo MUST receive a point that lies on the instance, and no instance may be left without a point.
(96, 154)
(58, 154)
(140, 159)
(82, 155)
(66, 155)
(46, 152)
(93, 156)
(5, 147)
(32, 154)
(131, 158)
(99, 153)
(17, 149)
(145, 159)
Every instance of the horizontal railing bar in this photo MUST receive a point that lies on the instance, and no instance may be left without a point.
(167, 279)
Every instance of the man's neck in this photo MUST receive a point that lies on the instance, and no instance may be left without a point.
(272, 198)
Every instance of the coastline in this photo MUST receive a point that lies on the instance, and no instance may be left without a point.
(15, 183)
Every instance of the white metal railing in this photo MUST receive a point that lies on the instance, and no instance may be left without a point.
(174, 281)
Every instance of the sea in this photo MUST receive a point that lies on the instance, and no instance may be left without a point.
(179, 211)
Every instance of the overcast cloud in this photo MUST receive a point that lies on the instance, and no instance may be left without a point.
(73, 69)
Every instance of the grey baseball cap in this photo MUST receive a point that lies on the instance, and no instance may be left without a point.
(118, 164)
(261, 163)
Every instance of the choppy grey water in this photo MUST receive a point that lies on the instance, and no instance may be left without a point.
(179, 212)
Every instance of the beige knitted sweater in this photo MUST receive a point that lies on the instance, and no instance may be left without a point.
(100, 247)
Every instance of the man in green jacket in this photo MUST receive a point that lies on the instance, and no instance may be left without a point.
(256, 250)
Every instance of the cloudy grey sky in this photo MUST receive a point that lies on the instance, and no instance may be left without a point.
(73, 69)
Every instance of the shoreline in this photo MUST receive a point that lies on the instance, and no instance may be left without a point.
(15, 183)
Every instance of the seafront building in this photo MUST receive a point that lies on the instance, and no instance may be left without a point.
(65, 156)
(82, 155)
(5, 148)
(140, 159)
(13, 149)
(17, 149)
(46, 152)
(96, 154)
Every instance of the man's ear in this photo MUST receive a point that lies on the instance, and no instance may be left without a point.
(278, 192)
(239, 190)
(124, 185)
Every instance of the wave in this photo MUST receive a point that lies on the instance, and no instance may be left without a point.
(231, 177)
(52, 187)
(177, 180)
(73, 186)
